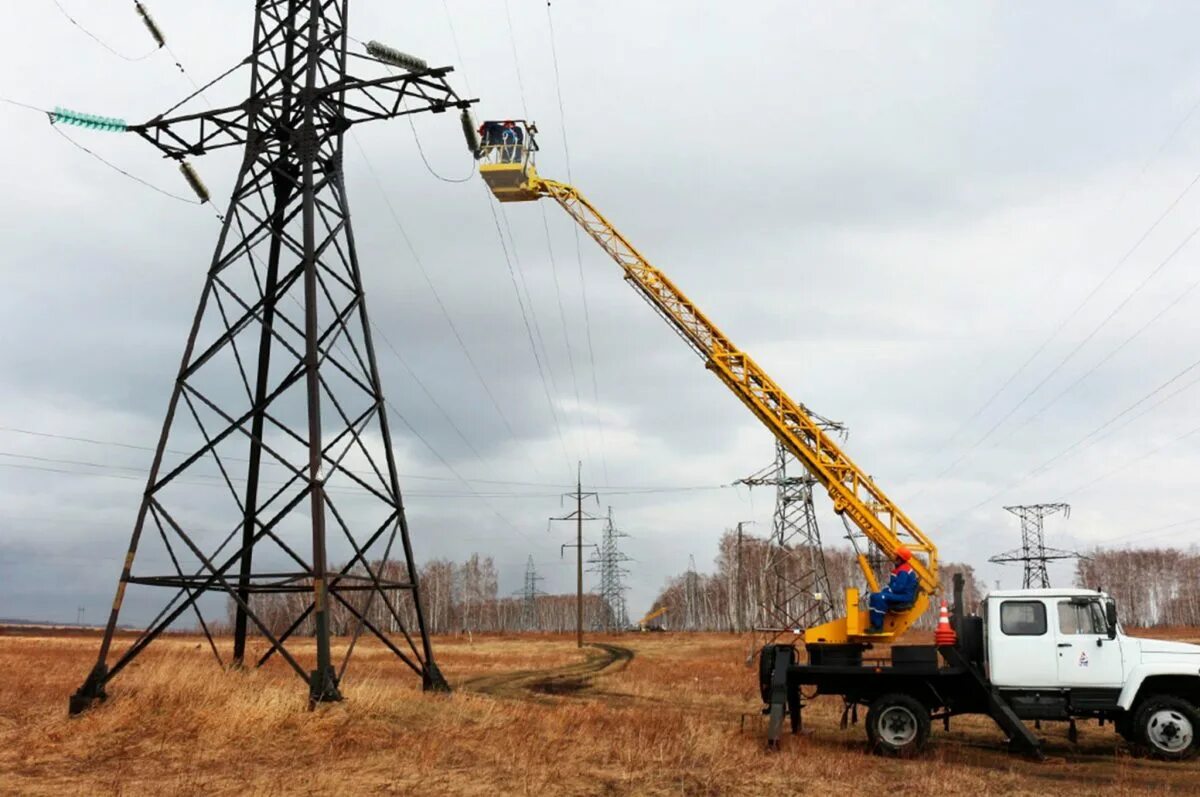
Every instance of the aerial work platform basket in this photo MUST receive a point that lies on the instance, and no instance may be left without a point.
(506, 155)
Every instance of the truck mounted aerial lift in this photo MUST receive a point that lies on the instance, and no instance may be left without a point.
(644, 624)
(1033, 654)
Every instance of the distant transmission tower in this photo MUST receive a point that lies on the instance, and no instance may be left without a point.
(278, 394)
(798, 592)
(607, 562)
(529, 595)
(1033, 552)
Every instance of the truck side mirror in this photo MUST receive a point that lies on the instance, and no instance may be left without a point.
(1110, 614)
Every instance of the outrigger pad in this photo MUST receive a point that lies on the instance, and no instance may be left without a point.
(782, 658)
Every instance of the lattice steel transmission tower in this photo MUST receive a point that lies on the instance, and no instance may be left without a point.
(529, 595)
(607, 561)
(1033, 552)
(798, 592)
(278, 399)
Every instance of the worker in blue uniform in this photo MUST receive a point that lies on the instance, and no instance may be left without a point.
(900, 593)
(491, 136)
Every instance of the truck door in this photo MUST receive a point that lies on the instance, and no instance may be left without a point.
(1021, 650)
(1086, 656)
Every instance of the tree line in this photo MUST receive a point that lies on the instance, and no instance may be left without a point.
(737, 596)
(458, 597)
(1152, 586)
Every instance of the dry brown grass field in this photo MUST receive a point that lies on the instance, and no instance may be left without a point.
(637, 714)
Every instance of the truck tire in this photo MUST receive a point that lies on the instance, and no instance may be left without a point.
(897, 725)
(1166, 727)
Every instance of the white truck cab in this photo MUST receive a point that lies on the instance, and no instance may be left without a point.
(1060, 653)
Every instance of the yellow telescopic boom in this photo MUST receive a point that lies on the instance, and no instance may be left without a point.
(654, 615)
(854, 493)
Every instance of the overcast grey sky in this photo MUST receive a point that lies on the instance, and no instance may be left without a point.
(892, 207)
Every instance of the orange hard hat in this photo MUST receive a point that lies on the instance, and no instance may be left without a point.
(903, 554)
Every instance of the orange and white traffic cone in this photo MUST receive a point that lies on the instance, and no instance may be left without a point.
(944, 636)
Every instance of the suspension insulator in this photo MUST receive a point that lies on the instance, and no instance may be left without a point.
(390, 55)
(194, 181)
(470, 133)
(90, 121)
(150, 24)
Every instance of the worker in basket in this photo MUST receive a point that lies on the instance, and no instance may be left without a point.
(900, 593)
(491, 136)
(513, 143)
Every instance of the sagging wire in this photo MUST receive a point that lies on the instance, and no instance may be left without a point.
(64, 116)
(529, 331)
(108, 124)
(26, 105)
(389, 56)
(587, 316)
(119, 170)
(146, 20)
(428, 166)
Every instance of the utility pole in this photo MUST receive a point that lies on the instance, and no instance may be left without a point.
(1033, 552)
(739, 583)
(579, 516)
(279, 370)
(737, 578)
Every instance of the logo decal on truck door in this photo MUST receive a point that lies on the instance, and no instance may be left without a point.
(1083, 659)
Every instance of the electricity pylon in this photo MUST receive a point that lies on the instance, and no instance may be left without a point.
(607, 561)
(1033, 552)
(798, 592)
(529, 595)
(277, 400)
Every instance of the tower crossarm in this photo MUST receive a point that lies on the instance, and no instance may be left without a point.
(348, 101)
(855, 494)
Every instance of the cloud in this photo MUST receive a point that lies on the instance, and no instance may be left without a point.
(891, 209)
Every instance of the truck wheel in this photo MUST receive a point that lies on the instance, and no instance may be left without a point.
(897, 725)
(1166, 727)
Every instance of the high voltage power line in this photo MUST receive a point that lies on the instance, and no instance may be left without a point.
(437, 297)
(1074, 313)
(584, 436)
(617, 489)
(1083, 443)
(587, 320)
(537, 332)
